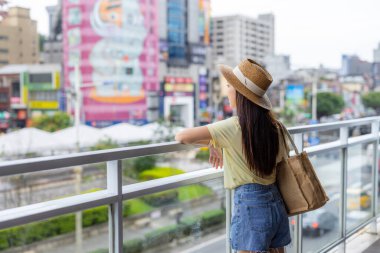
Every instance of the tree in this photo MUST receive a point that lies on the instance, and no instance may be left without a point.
(52, 123)
(328, 103)
(372, 100)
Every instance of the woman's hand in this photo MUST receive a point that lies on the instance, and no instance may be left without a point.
(216, 156)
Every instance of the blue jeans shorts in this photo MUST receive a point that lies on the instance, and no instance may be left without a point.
(259, 220)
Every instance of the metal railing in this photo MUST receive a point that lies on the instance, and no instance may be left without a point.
(116, 193)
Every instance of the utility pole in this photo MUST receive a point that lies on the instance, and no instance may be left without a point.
(78, 169)
(314, 91)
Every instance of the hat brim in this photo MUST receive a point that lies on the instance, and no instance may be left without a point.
(227, 72)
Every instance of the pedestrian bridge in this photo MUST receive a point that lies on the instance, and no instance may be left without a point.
(108, 219)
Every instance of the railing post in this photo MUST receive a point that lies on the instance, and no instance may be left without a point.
(298, 141)
(115, 213)
(375, 176)
(343, 135)
(229, 204)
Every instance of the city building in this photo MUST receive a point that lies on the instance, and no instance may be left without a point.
(376, 54)
(233, 39)
(52, 48)
(32, 90)
(278, 66)
(184, 32)
(19, 42)
(137, 69)
(237, 37)
(376, 68)
(352, 65)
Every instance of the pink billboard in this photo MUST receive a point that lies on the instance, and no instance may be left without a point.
(115, 45)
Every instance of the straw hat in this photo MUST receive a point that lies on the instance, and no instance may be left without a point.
(251, 80)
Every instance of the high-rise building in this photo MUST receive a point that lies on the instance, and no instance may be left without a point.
(352, 65)
(278, 66)
(184, 31)
(376, 54)
(237, 37)
(53, 44)
(19, 42)
(137, 59)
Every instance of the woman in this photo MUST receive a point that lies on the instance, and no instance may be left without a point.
(251, 146)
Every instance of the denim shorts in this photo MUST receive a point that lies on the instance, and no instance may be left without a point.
(259, 220)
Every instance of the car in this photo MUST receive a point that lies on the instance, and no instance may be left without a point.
(317, 222)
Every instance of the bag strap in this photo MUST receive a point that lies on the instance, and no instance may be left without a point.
(283, 129)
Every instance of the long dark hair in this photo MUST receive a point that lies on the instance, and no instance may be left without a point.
(259, 135)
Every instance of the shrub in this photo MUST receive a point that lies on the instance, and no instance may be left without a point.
(203, 155)
(161, 236)
(189, 224)
(144, 163)
(133, 246)
(212, 218)
(95, 215)
(4, 240)
(161, 198)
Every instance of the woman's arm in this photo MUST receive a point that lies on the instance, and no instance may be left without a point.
(195, 135)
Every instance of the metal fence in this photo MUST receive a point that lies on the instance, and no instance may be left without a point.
(116, 193)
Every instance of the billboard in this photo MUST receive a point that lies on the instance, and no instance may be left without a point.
(178, 86)
(115, 44)
(204, 18)
(295, 94)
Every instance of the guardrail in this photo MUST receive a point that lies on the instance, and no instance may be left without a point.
(116, 193)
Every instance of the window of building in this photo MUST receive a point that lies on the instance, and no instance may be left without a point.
(3, 98)
(46, 95)
(3, 50)
(3, 37)
(4, 62)
(40, 78)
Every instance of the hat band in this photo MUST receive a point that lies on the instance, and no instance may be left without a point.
(248, 83)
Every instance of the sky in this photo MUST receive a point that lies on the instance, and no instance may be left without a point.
(312, 32)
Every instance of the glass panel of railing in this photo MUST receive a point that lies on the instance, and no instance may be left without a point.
(359, 130)
(31, 188)
(185, 219)
(292, 224)
(321, 227)
(151, 167)
(320, 137)
(359, 184)
(58, 234)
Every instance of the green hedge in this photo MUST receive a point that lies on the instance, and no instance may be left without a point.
(203, 155)
(26, 234)
(161, 236)
(133, 246)
(159, 172)
(169, 233)
(161, 198)
(212, 218)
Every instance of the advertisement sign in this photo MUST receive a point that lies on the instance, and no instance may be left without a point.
(204, 21)
(115, 44)
(44, 105)
(164, 50)
(197, 53)
(294, 94)
(178, 86)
